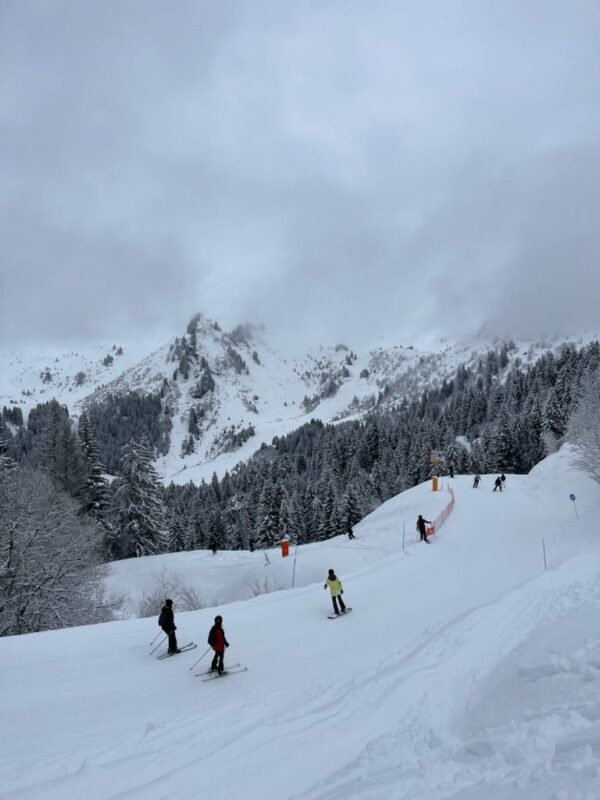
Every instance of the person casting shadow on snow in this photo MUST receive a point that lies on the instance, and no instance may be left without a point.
(167, 623)
(218, 642)
(337, 590)
(421, 527)
(498, 483)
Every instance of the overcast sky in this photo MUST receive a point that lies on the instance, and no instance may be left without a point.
(337, 170)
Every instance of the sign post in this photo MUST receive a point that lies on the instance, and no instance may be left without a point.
(572, 496)
(435, 459)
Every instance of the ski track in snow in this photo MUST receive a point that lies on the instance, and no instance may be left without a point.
(464, 672)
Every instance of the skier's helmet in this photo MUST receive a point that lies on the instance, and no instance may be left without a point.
(332, 572)
(218, 619)
(168, 603)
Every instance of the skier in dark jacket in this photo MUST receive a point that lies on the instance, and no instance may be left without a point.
(498, 483)
(503, 479)
(167, 623)
(421, 523)
(218, 642)
(350, 532)
(476, 480)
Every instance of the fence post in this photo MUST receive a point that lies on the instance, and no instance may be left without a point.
(403, 533)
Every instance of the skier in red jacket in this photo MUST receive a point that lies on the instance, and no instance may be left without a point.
(218, 642)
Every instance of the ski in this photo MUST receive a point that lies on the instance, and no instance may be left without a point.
(224, 674)
(184, 649)
(209, 672)
(341, 614)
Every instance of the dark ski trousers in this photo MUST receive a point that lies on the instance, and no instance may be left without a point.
(172, 640)
(335, 604)
(424, 537)
(498, 486)
(217, 663)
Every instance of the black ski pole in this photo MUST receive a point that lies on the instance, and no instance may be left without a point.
(200, 659)
(155, 638)
(162, 641)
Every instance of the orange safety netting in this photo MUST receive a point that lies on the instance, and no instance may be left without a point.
(442, 517)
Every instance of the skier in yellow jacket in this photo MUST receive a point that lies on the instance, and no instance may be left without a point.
(337, 590)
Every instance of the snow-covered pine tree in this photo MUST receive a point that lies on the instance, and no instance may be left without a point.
(584, 425)
(96, 496)
(217, 532)
(451, 453)
(504, 444)
(266, 530)
(6, 463)
(350, 508)
(56, 447)
(138, 505)
(556, 412)
(328, 523)
(534, 428)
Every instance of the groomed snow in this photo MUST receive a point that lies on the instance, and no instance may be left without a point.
(464, 670)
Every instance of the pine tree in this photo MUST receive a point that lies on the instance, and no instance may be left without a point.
(6, 463)
(350, 508)
(328, 524)
(536, 450)
(139, 507)
(556, 412)
(96, 494)
(217, 531)
(266, 530)
(56, 448)
(451, 454)
(504, 445)
(584, 426)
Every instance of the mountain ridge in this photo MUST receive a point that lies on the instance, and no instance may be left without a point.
(229, 392)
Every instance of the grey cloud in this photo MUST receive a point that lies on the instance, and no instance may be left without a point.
(332, 170)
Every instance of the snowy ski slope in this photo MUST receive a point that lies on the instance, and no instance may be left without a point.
(465, 671)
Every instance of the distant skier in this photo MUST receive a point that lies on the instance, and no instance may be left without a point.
(421, 527)
(498, 483)
(451, 471)
(350, 532)
(337, 590)
(503, 479)
(167, 623)
(476, 481)
(218, 642)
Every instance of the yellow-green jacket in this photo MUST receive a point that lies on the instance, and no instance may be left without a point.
(335, 586)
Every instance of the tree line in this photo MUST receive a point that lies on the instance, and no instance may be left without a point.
(312, 483)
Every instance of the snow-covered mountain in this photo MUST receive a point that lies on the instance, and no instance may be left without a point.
(465, 671)
(229, 392)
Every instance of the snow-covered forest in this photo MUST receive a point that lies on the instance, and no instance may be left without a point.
(310, 484)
